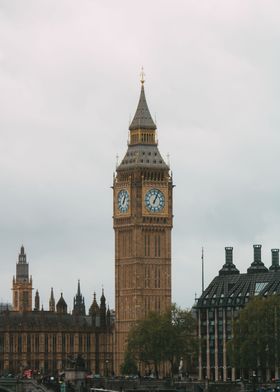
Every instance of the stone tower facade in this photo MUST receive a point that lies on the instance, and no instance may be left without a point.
(22, 285)
(142, 222)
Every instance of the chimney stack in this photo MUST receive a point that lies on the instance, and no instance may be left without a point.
(229, 268)
(257, 266)
(257, 253)
(229, 250)
(274, 260)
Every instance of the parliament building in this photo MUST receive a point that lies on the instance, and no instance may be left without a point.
(44, 340)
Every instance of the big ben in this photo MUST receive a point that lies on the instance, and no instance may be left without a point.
(142, 222)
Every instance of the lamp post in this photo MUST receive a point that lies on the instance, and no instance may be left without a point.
(254, 380)
(107, 367)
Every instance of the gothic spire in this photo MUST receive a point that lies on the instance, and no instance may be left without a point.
(102, 309)
(79, 303)
(37, 301)
(79, 288)
(52, 302)
(22, 256)
(142, 118)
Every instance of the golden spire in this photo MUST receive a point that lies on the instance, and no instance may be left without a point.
(142, 76)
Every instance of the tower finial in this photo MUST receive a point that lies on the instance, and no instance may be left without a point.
(142, 76)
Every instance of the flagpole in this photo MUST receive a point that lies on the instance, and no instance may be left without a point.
(202, 268)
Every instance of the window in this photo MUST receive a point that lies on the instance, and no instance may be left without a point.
(72, 343)
(88, 343)
(157, 277)
(259, 287)
(63, 343)
(19, 344)
(80, 343)
(11, 344)
(28, 343)
(54, 343)
(25, 300)
(37, 343)
(1, 343)
(46, 344)
(147, 245)
(157, 245)
(157, 303)
(147, 276)
(16, 299)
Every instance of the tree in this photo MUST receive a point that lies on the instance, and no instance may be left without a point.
(256, 331)
(164, 337)
(180, 338)
(129, 365)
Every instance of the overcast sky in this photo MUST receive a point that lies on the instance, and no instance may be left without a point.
(69, 82)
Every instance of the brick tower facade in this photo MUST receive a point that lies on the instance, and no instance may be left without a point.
(142, 223)
(22, 285)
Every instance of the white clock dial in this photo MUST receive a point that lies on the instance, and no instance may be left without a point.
(154, 200)
(123, 200)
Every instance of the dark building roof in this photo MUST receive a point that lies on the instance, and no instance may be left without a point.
(94, 309)
(142, 156)
(232, 289)
(61, 306)
(142, 118)
(41, 321)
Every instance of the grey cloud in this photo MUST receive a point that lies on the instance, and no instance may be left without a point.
(69, 82)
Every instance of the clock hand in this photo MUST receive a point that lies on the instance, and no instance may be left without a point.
(155, 198)
(123, 200)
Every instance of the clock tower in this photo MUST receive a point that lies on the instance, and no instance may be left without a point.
(142, 223)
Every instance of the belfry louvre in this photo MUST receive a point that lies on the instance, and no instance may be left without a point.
(221, 302)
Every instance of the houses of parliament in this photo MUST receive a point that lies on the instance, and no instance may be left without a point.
(43, 340)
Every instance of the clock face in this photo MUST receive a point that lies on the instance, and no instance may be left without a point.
(154, 200)
(123, 200)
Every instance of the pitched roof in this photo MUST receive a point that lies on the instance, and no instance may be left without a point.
(237, 289)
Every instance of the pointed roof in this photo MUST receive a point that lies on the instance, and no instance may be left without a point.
(103, 301)
(61, 306)
(51, 302)
(79, 289)
(142, 118)
(94, 306)
(52, 296)
(22, 256)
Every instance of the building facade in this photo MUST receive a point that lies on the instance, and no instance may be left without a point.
(45, 340)
(220, 304)
(142, 218)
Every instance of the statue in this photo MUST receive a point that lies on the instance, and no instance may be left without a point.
(76, 363)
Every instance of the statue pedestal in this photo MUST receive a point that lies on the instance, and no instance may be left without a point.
(75, 377)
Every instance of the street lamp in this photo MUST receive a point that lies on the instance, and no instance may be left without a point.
(107, 366)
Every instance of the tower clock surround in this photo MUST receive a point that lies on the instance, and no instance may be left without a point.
(142, 219)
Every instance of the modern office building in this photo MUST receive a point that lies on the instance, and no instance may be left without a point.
(221, 302)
